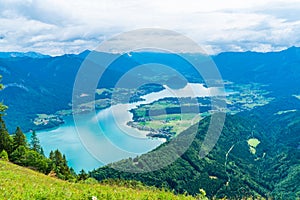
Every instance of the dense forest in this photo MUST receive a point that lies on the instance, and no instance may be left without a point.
(231, 170)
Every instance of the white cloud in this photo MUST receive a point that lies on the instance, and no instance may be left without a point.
(70, 26)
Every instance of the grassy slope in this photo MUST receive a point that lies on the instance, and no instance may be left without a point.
(21, 183)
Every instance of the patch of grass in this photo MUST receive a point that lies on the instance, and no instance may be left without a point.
(21, 183)
(253, 142)
(178, 122)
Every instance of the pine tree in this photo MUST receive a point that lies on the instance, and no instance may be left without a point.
(60, 166)
(51, 155)
(5, 139)
(83, 175)
(35, 142)
(57, 157)
(19, 139)
(2, 106)
(42, 152)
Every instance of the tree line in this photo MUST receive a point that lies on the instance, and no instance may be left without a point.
(15, 148)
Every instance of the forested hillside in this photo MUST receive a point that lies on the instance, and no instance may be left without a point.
(254, 157)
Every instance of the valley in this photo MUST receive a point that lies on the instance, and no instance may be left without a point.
(164, 118)
(256, 156)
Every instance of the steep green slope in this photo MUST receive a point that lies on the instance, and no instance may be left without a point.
(21, 183)
(247, 161)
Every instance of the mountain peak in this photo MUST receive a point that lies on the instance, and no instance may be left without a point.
(29, 54)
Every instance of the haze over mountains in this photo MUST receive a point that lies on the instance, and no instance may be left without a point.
(36, 83)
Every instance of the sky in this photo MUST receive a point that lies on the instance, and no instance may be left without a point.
(56, 27)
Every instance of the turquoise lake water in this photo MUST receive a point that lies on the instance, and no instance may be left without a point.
(103, 137)
(67, 140)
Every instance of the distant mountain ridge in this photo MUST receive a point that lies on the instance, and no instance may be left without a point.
(37, 83)
(20, 55)
(84, 53)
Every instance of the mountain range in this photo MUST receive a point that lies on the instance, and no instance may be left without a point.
(37, 84)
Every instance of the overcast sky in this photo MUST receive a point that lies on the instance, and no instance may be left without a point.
(56, 27)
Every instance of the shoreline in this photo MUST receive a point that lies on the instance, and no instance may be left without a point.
(122, 114)
(121, 122)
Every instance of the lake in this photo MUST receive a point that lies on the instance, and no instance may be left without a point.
(108, 135)
(66, 139)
